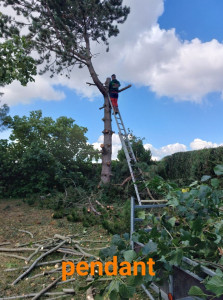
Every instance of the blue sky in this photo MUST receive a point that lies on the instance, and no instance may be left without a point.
(172, 53)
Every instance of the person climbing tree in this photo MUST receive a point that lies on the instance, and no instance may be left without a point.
(113, 92)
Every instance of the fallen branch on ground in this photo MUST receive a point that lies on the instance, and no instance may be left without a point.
(43, 291)
(25, 231)
(36, 261)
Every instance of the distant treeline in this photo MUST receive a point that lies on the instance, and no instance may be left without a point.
(185, 167)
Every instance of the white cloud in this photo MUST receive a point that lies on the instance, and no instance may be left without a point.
(200, 144)
(15, 93)
(157, 154)
(116, 144)
(145, 55)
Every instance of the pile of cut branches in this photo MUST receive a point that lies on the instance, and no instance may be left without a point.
(69, 246)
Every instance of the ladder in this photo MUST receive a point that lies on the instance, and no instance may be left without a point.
(130, 156)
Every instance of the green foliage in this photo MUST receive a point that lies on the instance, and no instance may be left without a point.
(4, 110)
(142, 155)
(120, 166)
(191, 225)
(68, 27)
(15, 63)
(120, 288)
(159, 187)
(44, 154)
(58, 215)
(185, 167)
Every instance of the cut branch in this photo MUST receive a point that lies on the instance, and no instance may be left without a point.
(125, 88)
(36, 261)
(43, 291)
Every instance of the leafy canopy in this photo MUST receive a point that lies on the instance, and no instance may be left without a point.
(15, 63)
(42, 152)
(66, 27)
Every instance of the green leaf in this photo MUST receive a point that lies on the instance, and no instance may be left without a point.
(130, 255)
(149, 247)
(205, 178)
(98, 297)
(196, 291)
(215, 182)
(218, 170)
(215, 285)
(196, 225)
(173, 202)
(135, 237)
(118, 241)
(108, 252)
(126, 236)
(113, 295)
(142, 214)
(126, 291)
(193, 183)
(176, 256)
(114, 286)
(135, 280)
(172, 221)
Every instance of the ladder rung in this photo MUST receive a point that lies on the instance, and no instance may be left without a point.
(150, 206)
(157, 201)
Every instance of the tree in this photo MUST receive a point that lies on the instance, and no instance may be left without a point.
(15, 63)
(143, 157)
(4, 110)
(62, 32)
(142, 154)
(42, 153)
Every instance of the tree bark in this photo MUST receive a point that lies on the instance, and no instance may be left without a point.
(107, 146)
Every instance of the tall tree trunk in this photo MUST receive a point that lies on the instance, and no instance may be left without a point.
(107, 146)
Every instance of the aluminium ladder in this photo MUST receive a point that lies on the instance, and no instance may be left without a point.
(175, 286)
(130, 156)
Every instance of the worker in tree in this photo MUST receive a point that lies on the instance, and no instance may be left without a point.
(113, 92)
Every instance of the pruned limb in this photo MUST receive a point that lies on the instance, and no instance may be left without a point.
(32, 295)
(14, 256)
(62, 237)
(65, 281)
(69, 251)
(85, 253)
(92, 208)
(89, 83)
(43, 291)
(25, 231)
(125, 88)
(124, 181)
(41, 264)
(33, 254)
(102, 107)
(37, 260)
(16, 249)
(99, 203)
(147, 189)
(4, 244)
(45, 273)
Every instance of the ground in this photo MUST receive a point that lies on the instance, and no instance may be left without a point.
(15, 215)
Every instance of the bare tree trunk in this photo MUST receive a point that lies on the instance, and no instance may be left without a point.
(107, 146)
